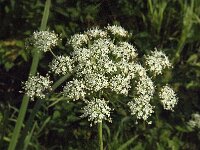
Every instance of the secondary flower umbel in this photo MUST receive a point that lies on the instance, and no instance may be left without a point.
(62, 65)
(44, 40)
(97, 110)
(168, 97)
(195, 121)
(36, 86)
(157, 61)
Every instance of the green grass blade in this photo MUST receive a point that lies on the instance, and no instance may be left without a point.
(28, 138)
(45, 15)
(125, 145)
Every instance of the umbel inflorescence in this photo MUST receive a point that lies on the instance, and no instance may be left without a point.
(44, 40)
(195, 121)
(103, 63)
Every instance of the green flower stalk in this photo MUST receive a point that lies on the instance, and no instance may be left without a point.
(33, 70)
(100, 136)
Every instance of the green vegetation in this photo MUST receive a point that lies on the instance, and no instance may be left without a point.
(173, 26)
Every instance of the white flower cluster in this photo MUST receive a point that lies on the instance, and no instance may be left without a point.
(195, 121)
(117, 30)
(44, 40)
(157, 61)
(74, 89)
(144, 90)
(97, 110)
(62, 65)
(125, 51)
(77, 40)
(120, 84)
(168, 97)
(141, 107)
(98, 70)
(96, 33)
(36, 86)
(105, 64)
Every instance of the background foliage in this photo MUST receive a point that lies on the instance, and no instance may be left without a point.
(173, 26)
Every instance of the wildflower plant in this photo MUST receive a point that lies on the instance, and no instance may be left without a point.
(102, 63)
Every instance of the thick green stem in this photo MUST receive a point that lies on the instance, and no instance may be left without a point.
(100, 136)
(33, 69)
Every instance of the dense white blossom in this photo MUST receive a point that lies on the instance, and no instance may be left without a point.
(117, 30)
(141, 107)
(101, 62)
(168, 97)
(126, 68)
(145, 86)
(97, 110)
(120, 84)
(78, 40)
(139, 70)
(62, 65)
(195, 121)
(104, 64)
(74, 89)
(157, 61)
(125, 51)
(96, 33)
(36, 86)
(44, 40)
(95, 82)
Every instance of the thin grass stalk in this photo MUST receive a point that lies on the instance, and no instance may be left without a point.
(100, 136)
(187, 25)
(25, 100)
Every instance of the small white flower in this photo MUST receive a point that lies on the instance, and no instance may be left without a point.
(95, 82)
(195, 121)
(145, 86)
(96, 33)
(139, 70)
(74, 89)
(62, 65)
(117, 30)
(97, 110)
(168, 97)
(125, 51)
(44, 40)
(141, 108)
(77, 40)
(36, 86)
(120, 84)
(157, 61)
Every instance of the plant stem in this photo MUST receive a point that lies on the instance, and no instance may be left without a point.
(33, 70)
(100, 136)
